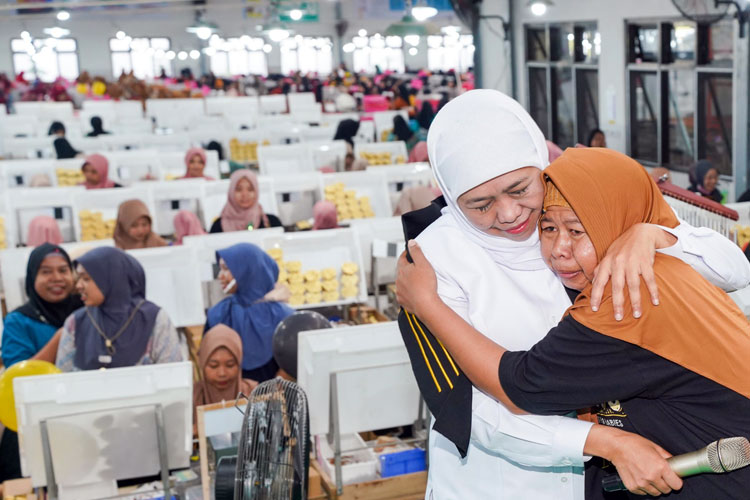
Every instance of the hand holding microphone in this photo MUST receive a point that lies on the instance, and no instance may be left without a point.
(724, 455)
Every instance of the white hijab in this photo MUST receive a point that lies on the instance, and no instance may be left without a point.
(464, 155)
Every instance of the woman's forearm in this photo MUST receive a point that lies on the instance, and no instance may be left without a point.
(49, 351)
(478, 356)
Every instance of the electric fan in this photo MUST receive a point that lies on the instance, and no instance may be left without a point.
(273, 459)
(702, 11)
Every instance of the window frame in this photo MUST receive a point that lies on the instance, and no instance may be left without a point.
(577, 63)
(58, 73)
(157, 70)
(665, 64)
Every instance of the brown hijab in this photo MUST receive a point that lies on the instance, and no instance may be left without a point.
(697, 325)
(129, 212)
(215, 338)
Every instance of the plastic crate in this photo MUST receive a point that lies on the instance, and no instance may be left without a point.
(402, 462)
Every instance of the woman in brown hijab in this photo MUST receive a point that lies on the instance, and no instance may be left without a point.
(219, 359)
(133, 229)
(677, 375)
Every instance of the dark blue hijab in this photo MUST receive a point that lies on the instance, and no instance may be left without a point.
(37, 308)
(244, 311)
(123, 283)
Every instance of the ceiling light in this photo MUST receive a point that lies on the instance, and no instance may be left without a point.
(57, 32)
(277, 34)
(295, 14)
(182, 55)
(120, 35)
(202, 29)
(267, 48)
(209, 51)
(63, 15)
(349, 47)
(539, 7)
(195, 54)
(362, 32)
(171, 55)
(422, 11)
(26, 35)
(413, 51)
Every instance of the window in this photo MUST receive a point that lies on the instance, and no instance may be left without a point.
(561, 64)
(238, 56)
(378, 51)
(450, 52)
(145, 57)
(306, 55)
(680, 94)
(45, 58)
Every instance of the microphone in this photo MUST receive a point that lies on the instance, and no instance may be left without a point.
(724, 455)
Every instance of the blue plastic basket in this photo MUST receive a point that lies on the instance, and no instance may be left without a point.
(402, 462)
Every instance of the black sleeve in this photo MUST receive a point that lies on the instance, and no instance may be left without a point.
(273, 221)
(572, 367)
(216, 226)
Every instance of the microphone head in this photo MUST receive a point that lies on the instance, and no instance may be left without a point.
(726, 455)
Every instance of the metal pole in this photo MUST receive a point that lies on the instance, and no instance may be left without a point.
(336, 432)
(161, 438)
(49, 470)
(741, 116)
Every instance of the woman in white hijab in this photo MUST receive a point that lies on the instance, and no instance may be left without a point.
(486, 153)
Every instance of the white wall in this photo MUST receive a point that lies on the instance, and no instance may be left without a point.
(610, 16)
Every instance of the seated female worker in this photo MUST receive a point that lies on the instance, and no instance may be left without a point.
(28, 332)
(676, 374)
(253, 308)
(133, 228)
(118, 327)
(219, 359)
(243, 211)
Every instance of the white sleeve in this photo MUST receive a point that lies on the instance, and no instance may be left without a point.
(714, 256)
(532, 440)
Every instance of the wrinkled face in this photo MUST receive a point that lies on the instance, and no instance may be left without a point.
(222, 368)
(566, 248)
(195, 166)
(711, 180)
(598, 141)
(140, 229)
(507, 206)
(244, 194)
(54, 280)
(225, 276)
(91, 174)
(90, 293)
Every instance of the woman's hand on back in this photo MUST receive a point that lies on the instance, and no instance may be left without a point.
(628, 260)
(416, 283)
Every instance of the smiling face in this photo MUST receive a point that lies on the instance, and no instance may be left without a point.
(711, 180)
(566, 248)
(54, 280)
(140, 229)
(195, 166)
(222, 368)
(90, 293)
(244, 194)
(507, 206)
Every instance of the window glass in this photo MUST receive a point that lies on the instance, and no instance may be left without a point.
(681, 119)
(562, 79)
(643, 117)
(538, 98)
(536, 44)
(587, 81)
(715, 133)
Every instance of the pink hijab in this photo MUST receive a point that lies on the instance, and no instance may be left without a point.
(43, 229)
(554, 151)
(324, 215)
(186, 223)
(101, 165)
(419, 153)
(189, 156)
(236, 218)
